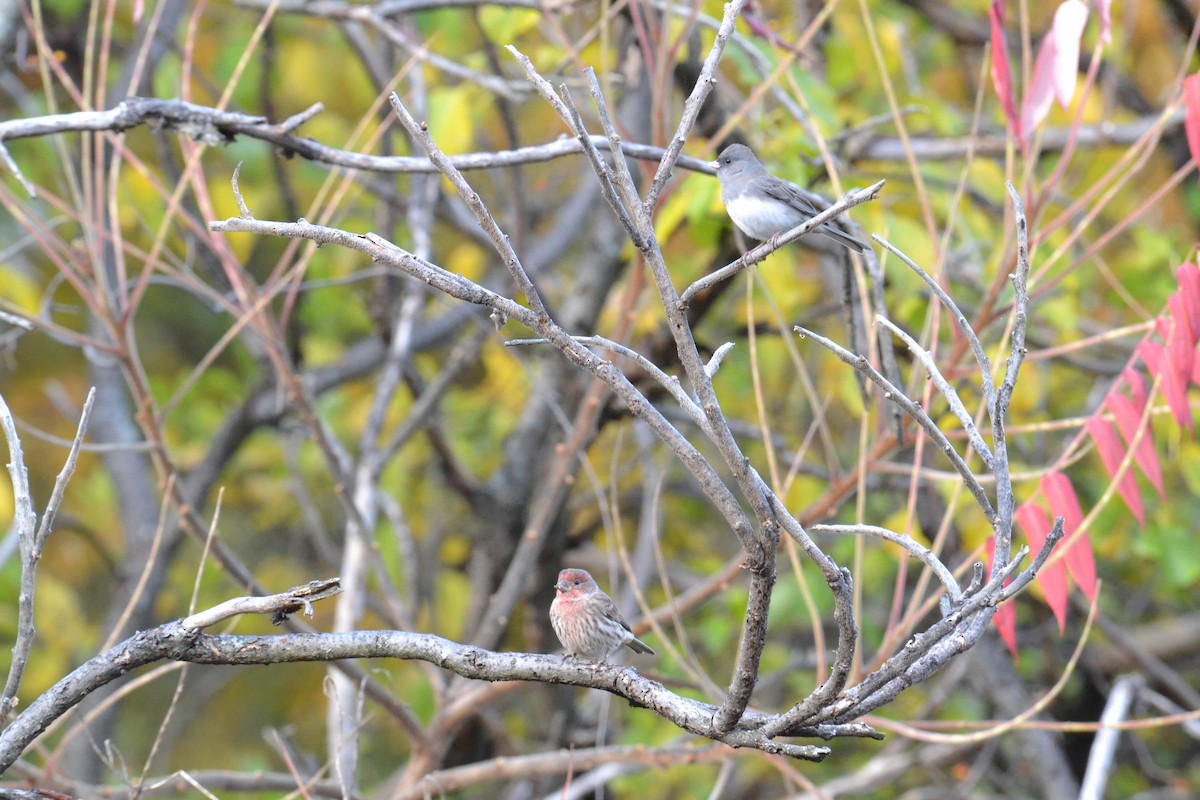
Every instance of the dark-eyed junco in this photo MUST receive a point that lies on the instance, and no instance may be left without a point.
(762, 205)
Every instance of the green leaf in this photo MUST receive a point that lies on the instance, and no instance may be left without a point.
(506, 25)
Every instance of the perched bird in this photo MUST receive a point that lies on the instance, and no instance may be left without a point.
(587, 621)
(762, 205)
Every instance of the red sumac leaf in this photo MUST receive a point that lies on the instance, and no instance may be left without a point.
(1128, 418)
(1189, 290)
(1162, 361)
(1053, 577)
(1112, 453)
(1191, 114)
(1177, 371)
(1081, 561)
(1151, 353)
(1163, 326)
(1001, 71)
(1182, 319)
(1005, 619)
(1137, 386)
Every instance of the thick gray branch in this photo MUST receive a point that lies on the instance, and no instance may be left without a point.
(175, 642)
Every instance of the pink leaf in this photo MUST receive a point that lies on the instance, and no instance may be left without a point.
(1151, 353)
(1137, 386)
(1167, 363)
(1001, 72)
(1057, 67)
(1182, 345)
(1036, 104)
(1177, 373)
(1005, 619)
(1189, 289)
(1129, 418)
(1181, 315)
(1112, 454)
(1174, 367)
(1053, 577)
(1104, 12)
(1060, 495)
(1081, 562)
(1006, 626)
(1162, 325)
(1191, 114)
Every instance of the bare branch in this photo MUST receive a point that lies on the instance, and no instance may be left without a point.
(25, 525)
(1005, 501)
(220, 127)
(926, 149)
(668, 382)
(569, 114)
(176, 642)
(459, 287)
(279, 606)
(914, 547)
(754, 639)
(32, 538)
(1124, 692)
(943, 386)
(14, 320)
(7, 158)
(243, 209)
(420, 132)
(960, 319)
(625, 183)
(691, 107)
(915, 411)
(559, 762)
(714, 362)
(1025, 578)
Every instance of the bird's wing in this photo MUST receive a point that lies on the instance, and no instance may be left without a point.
(610, 610)
(790, 194)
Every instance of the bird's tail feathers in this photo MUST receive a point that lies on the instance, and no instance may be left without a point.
(638, 646)
(841, 238)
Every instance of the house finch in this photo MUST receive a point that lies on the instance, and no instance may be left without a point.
(587, 621)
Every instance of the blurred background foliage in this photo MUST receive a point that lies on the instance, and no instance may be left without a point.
(280, 510)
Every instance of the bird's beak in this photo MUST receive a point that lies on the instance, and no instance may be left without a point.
(716, 165)
(560, 586)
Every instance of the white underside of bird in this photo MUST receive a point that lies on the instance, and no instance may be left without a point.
(769, 216)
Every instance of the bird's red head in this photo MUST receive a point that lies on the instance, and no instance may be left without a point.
(574, 580)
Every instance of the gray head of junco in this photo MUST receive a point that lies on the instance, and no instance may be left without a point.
(764, 206)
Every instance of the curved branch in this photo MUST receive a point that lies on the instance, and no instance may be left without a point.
(222, 127)
(910, 544)
(32, 538)
(915, 411)
(176, 642)
(998, 409)
(558, 762)
(943, 386)
(669, 383)
(457, 286)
